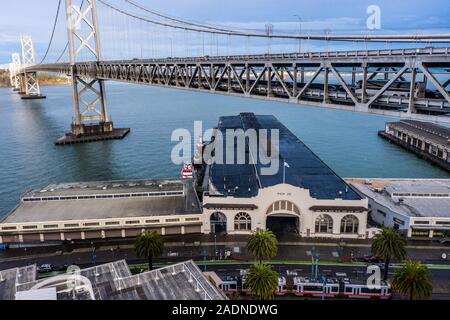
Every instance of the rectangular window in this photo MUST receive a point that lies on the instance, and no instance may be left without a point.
(421, 222)
(152, 221)
(9, 228)
(111, 223)
(192, 219)
(29, 227)
(71, 225)
(276, 206)
(50, 226)
(382, 213)
(91, 224)
(434, 150)
(172, 220)
(420, 233)
(443, 222)
(132, 222)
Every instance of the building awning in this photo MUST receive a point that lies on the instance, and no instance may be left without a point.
(337, 209)
(230, 206)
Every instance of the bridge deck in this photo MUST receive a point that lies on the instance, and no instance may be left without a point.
(302, 78)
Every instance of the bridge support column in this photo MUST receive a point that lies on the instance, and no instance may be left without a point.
(29, 80)
(15, 66)
(326, 97)
(91, 121)
(412, 91)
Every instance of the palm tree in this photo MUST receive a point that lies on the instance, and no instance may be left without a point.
(388, 244)
(413, 279)
(149, 245)
(263, 244)
(261, 280)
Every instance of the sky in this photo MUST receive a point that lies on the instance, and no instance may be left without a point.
(343, 16)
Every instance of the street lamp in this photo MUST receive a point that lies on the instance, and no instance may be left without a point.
(300, 29)
(215, 245)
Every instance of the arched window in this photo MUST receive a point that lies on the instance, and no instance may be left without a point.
(283, 206)
(218, 222)
(324, 224)
(349, 224)
(242, 222)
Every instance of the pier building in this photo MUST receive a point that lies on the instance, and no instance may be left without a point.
(428, 140)
(420, 208)
(305, 197)
(96, 210)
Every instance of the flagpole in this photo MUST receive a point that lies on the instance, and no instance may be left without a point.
(284, 172)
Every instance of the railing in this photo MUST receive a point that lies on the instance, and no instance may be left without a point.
(431, 51)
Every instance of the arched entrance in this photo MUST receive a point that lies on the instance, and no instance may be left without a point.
(218, 222)
(283, 217)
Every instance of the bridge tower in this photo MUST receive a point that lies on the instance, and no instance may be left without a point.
(90, 113)
(29, 80)
(14, 69)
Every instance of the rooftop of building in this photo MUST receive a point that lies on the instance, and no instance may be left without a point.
(103, 200)
(306, 170)
(410, 197)
(10, 279)
(106, 187)
(431, 131)
(114, 281)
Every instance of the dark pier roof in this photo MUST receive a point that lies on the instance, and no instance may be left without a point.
(305, 170)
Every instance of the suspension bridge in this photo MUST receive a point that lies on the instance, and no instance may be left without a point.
(409, 78)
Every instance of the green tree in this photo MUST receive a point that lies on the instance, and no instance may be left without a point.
(263, 244)
(414, 280)
(261, 280)
(389, 244)
(149, 245)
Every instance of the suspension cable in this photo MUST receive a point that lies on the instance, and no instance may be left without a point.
(67, 44)
(437, 38)
(53, 32)
(177, 20)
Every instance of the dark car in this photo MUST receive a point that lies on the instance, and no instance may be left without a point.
(373, 259)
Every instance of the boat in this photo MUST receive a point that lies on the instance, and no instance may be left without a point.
(186, 172)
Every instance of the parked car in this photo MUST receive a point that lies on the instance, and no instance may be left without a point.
(4, 247)
(46, 267)
(373, 259)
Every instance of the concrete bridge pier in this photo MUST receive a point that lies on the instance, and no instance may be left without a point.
(91, 121)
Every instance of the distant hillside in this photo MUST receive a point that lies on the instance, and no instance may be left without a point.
(4, 78)
(44, 79)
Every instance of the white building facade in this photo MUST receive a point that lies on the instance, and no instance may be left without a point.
(295, 210)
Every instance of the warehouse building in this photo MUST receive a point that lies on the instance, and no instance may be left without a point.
(420, 208)
(99, 210)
